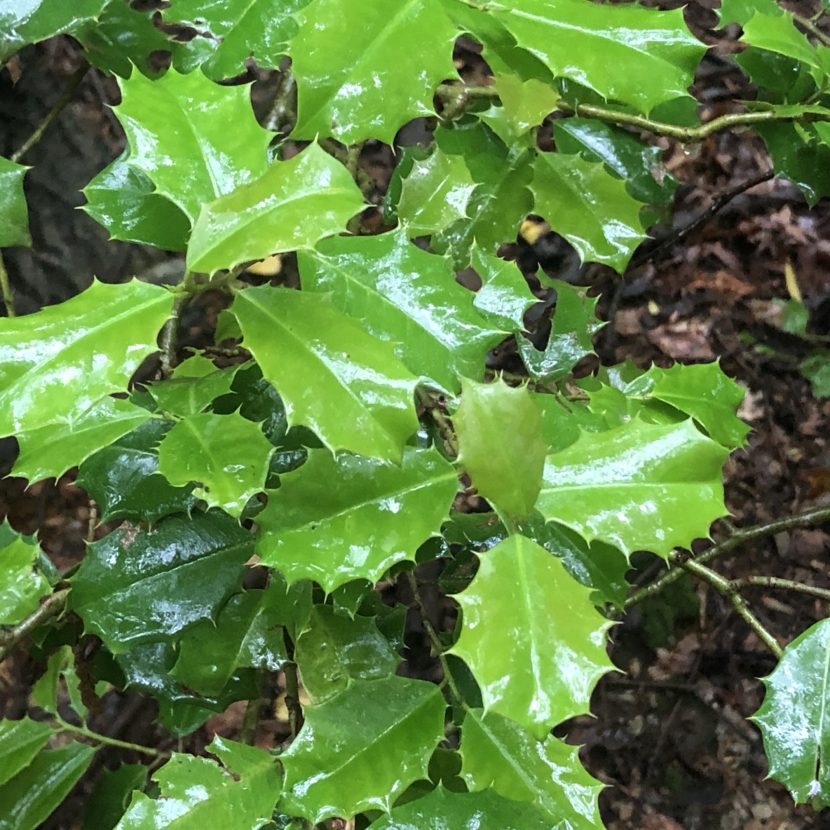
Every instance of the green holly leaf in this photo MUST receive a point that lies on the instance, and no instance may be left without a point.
(562, 426)
(638, 487)
(792, 718)
(579, 41)
(333, 377)
(498, 753)
(22, 586)
(60, 667)
(193, 386)
(36, 20)
(293, 205)
(178, 133)
(776, 32)
(405, 294)
(798, 155)
(390, 726)
(499, 432)
(20, 742)
(591, 208)
(14, 212)
(125, 482)
(572, 329)
(111, 796)
(49, 451)
(337, 649)
(504, 296)
(75, 353)
(139, 585)
(124, 201)
(353, 79)
(739, 11)
(227, 455)
(526, 103)
(378, 514)
(196, 792)
(531, 636)
(247, 634)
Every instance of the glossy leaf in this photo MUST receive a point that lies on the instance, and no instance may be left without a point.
(227, 455)
(591, 208)
(638, 487)
(20, 742)
(22, 586)
(797, 155)
(504, 296)
(406, 296)
(336, 649)
(178, 131)
(361, 749)
(193, 386)
(196, 793)
(138, 585)
(526, 103)
(57, 363)
(793, 717)
(49, 451)
(294, 204)
(354, 81)
(531, 636)
(27, 799)
(14, 212)
(333, 377)
(580, 41)
(501, 446)
(777, 33)
(350, 517)
(498, 753)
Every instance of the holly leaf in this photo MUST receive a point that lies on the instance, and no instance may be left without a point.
(193, 386)
(793, 719)
(293, 205)
(111, 796)
(407, 296)
(337, 649)
(498, 753)
(227, 455)
(591, 208)
(22, 586)
(776, 32)
(526, 103)
(196, 792)
(177, 129)
(14, 212)
(124, 479)
(638, 486)
(390, 726)
(655, 51)
(354, 81)
(378, 514)
(531, 636)
(333, 377)
(75, 353)
(504, 296)
(798, 155)
(20, 742)
(139, 585)
(501, 446)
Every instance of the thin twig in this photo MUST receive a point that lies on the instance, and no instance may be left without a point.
(104, 739)
(812, 28)
(780, 584)
(441, 421)
(170, 336)
(6, 289)
(292, 698)
(51, 607)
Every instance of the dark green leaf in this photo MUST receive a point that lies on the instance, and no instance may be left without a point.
(14, 213)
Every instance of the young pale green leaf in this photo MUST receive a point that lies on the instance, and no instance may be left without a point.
(360, 750)
(441, 809)
(501, 445)
(14, 212)
(337, 649)
(654, 50)
(139, 585)
(526, 103)
(22, 586)
(591, 208)
(247, 634)
(124, 201)
(408, 296)
(57, 363)
(294, 204)
(194, 139)
(227, 455)
(193, 386)
(498, 753)
(36, 20)
(345, 517)
(125, 482)
(354, 81)
(793, 717)
(333, 377)
(531, 636)
(59, 667)
(20, 742)
(196, 793)
(27, 800)
(637, 487)
(504, 296)
(49, 451)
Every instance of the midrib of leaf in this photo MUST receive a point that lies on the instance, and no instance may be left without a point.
(200, 440)
(531, 615)
(140, 414)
